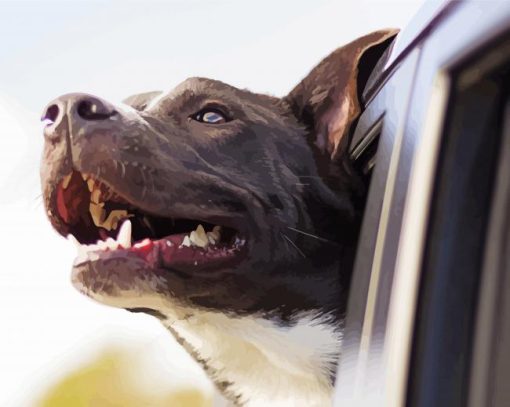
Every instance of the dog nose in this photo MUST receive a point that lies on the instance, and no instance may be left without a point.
(76, 107)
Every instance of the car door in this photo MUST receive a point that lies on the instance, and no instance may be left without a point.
(422, 301)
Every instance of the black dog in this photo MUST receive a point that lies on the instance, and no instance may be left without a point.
(230, 216)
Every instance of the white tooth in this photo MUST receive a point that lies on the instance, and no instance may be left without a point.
(198, 237)
(193, 238)
(74, 241)
(113, 219)
(201, 232)
(216, 233)
(124, 235)
(111, 243)
(84, 176)
(66, 181)
(197, 240)
(186, 242)
(212, 237)
(84, 251)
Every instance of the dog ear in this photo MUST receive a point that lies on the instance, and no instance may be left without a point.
(141, 100)
(328, 99)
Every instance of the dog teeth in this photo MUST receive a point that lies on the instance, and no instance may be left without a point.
(215, 235)
(73, 240)
(66, 180)
(124, 235)
(111, 244)
(114, 217)
(109, 222)
(198, 237)
(86, 251)
(186, 241)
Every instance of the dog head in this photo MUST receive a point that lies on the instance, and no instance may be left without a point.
(221, 199)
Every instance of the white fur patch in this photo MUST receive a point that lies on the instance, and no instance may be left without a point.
(267, 364)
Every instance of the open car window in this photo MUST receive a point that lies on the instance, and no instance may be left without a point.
(426, 302)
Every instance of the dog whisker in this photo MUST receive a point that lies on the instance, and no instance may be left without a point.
(311, 235)
(144, 181)
(38, 204)
(149, 180)
(122, 168)
(293, 244)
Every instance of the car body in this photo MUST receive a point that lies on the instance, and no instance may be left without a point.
(428, 316)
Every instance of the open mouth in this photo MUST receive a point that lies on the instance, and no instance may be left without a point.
(104, 225)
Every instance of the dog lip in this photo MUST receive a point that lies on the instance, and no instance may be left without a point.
(167, 254)
(197, 213)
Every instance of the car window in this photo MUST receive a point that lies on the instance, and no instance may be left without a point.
(456, 238)
(377, 149)
(414, 313)
(490, 337)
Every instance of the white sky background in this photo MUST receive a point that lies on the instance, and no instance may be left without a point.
(114, 49)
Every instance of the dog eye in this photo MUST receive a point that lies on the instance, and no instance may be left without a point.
(210, 116)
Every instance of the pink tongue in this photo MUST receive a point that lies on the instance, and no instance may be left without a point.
(169, 252)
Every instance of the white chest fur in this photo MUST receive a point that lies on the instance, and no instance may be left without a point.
(266, 364)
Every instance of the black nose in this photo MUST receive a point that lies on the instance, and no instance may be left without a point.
(88, 108)
(75, 108)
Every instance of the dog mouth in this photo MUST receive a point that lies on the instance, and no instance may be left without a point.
(104, 225)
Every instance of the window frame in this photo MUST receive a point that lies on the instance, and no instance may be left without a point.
(379, 373)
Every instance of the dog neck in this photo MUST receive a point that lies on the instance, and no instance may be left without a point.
(257, 361)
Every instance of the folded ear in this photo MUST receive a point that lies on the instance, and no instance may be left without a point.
(141, 100)
(328, 100)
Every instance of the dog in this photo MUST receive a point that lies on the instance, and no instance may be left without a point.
(230, 216)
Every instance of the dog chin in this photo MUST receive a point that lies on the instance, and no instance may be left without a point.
(119, 281)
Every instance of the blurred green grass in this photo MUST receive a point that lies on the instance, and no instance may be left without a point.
(110, 381)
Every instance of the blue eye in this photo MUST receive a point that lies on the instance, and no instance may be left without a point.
(210, 116)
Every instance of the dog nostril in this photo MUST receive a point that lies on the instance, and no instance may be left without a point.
(94, 110)
(51, 114)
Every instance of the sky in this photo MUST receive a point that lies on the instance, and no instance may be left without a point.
(114, 49)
